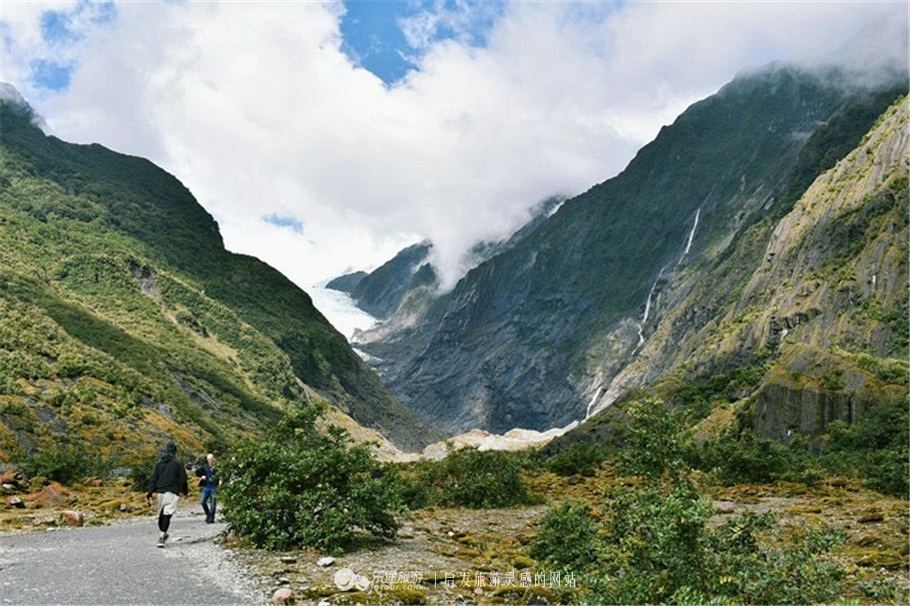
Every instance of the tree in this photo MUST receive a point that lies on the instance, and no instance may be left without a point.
(303, 488)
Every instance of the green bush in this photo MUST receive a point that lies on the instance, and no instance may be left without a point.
(567, 539)
(654, 441)
(67, 465)
(875, 447)
(299, 488)
(139, 473)
(745, 458)
(577, 459)
(656, 544)
(470, 478)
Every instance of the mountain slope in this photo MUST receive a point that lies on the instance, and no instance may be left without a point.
(535, 335)
(124, 319)
(817, 329)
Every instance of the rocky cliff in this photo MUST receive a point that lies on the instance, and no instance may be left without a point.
(820, 317)
(542, 333)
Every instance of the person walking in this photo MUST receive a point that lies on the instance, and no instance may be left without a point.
(209, 483)
(168, 480)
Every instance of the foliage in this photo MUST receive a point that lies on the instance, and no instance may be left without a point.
(301, 488)
(469, 477)
(739, 456)
(139, 474)
(656, 545)
(567, 539)
(654, 441)
(578, 459)
(875, 447)
(699, 395)
(66, 464)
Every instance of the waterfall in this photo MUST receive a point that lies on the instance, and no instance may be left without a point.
(592, 402)
(644, 316)
(691, 235)
(644, 319)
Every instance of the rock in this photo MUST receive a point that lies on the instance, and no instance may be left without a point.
(344, 579)
(16, 502)
(724, 507)
(12, 478)
(283, 595)
(288, 559)
(52, 495)
(73, 518)
(326, 561)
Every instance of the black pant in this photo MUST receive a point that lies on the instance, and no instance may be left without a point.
(164, 521)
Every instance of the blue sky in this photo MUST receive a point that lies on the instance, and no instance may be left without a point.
(376, 36)
(326, 136)
(373, 38)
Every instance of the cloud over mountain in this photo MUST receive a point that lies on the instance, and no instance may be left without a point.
(259, 110)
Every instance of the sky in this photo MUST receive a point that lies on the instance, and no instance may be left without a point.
(326, 136)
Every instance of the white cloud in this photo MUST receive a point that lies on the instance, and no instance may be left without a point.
(256, 109)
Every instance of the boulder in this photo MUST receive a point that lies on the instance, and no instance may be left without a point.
(73, 518)
(282, 595)
(12, 480)
(52, 495)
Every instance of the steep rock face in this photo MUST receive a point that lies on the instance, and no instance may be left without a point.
(534, 336)
(823, 315)
(382, 291)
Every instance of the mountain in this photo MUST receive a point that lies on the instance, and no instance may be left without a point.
(124, 320)
(805, 319)
(554, 327)
(381, 292)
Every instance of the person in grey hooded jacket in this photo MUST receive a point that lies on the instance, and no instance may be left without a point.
(168, 480)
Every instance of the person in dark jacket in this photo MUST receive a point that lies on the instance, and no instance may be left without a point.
(209, 482)
(168, 479)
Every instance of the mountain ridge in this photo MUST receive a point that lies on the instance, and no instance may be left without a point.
(539, 339)
(155, 328)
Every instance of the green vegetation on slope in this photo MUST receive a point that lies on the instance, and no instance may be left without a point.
(124, 320)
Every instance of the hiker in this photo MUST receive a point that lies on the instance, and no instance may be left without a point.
(209, 482)
(168, 479)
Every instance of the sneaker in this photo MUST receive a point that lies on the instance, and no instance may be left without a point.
(161, 539)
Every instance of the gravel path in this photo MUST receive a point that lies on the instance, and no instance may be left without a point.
(121, 564)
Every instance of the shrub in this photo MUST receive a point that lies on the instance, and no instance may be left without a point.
(567, 539)
(656, 537)
(139, 473)
(67, 465)
(654, 441)
(577, 459)
(875, 446)
(299, 488)
(658, 547)
(471, 478)
(746, 458)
